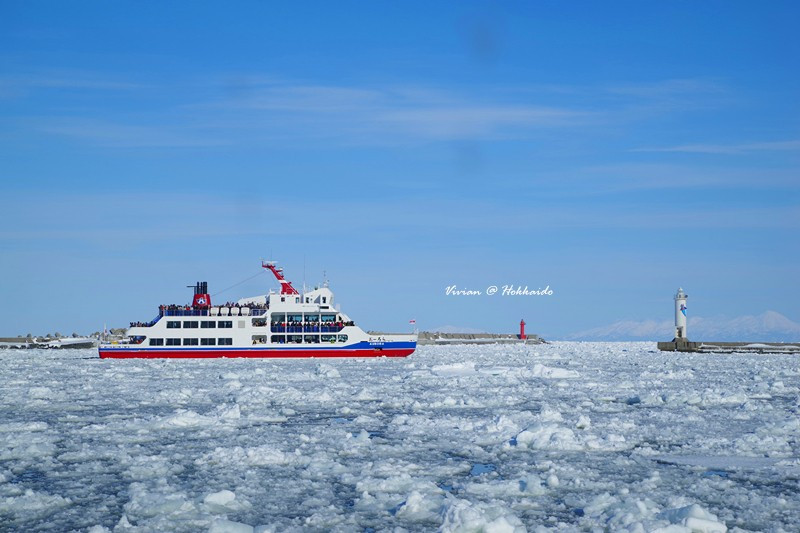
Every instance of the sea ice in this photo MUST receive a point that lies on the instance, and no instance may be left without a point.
(557, 437)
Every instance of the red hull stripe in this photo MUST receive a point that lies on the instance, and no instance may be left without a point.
(260, 354)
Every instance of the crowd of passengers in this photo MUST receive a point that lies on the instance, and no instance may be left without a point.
(307, 325)
(172, 309)
(141, 324)
(307, 340)
(251, 306)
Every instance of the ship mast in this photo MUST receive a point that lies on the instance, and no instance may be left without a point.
(286, 286)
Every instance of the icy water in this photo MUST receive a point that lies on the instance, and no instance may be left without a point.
(559, 437)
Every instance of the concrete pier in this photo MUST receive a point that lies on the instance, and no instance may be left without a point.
(428, 337)
(682, 345)
(433, 337)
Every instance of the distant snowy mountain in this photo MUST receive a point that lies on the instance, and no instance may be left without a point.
(769, 326)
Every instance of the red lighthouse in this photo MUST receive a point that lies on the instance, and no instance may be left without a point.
(522, 329)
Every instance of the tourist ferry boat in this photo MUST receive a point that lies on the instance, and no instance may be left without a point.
(277, 324)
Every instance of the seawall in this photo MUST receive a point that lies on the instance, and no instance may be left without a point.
(729, 347)
(429, 337)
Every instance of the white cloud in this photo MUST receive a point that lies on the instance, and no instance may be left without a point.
(250, 109)
(397, 113)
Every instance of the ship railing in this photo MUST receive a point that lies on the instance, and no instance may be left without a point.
(214, 311)
(185, 312)
(145, 324)
(282, 328)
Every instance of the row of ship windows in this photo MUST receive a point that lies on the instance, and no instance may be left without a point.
(299, 339)
(205, 324)
(257, 339)
(192, 342)
(327, 321)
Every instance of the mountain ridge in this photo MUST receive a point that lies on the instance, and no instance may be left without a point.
(769, 326)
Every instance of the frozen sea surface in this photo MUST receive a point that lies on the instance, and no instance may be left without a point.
(559, 437)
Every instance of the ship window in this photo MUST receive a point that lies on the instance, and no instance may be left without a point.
(329, 338)
(156, 342)
(225, 342)
(278, 339)
(208, 342)
(324, 299)
(173, 324)
(297, 300)
(283, 298)
(173, 342)
(190, 342)
(296, 339)
(311, 339)
(328, 318)
(226, 323)
(342, 338)
(190, 324)
(208, 324)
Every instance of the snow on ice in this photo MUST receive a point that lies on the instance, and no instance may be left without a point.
(493, 438)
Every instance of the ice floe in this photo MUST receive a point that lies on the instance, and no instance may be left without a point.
(493, 438)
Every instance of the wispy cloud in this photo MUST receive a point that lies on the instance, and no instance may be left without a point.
(615, 179)
(501, 121)
(275, 111)
(651, 176)
(638, 102)
(667, 88)
(398, 113)
(15, 85)
(242, 110)
(139, 217)
(511, 219)
(742, 148)
(309, 99)
(110, 134)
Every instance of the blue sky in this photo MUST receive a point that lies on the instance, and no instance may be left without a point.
(612, 151)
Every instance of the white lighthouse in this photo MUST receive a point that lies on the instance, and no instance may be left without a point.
(680, 315)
